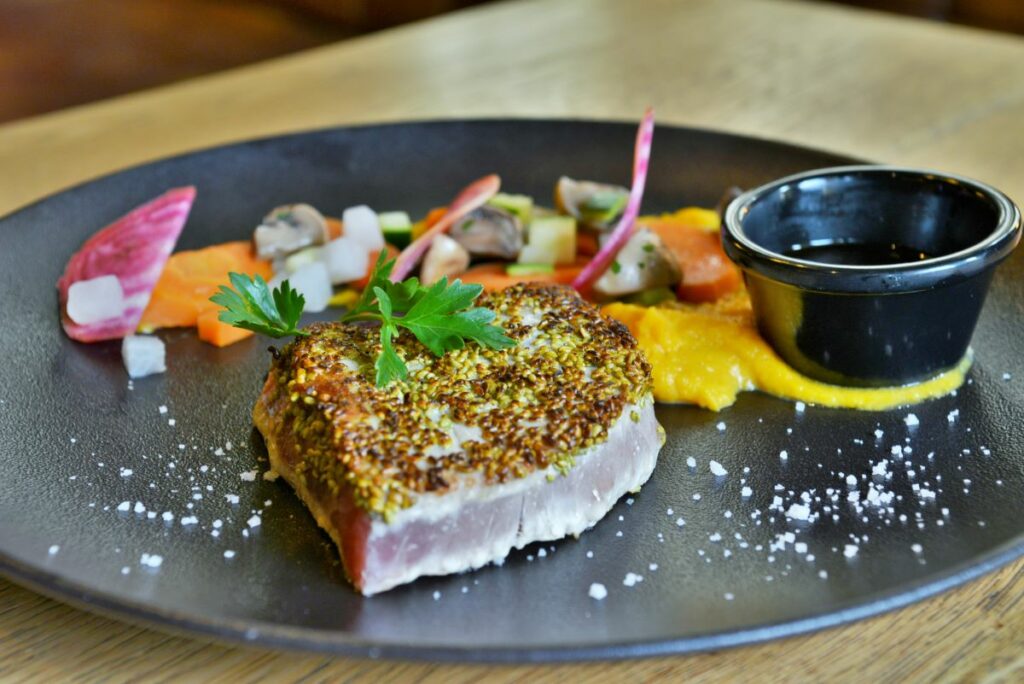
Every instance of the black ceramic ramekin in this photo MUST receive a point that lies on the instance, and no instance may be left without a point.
(870, 275)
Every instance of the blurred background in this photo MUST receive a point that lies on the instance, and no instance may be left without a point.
(60, 53)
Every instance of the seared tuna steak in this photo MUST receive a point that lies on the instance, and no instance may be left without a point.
(478, 452)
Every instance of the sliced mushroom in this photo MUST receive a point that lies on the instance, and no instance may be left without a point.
(643, 263)
(287, 229)
(596, 206)
(446, 257)
(490, 231)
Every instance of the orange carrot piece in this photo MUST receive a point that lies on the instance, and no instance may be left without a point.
(335, 228)
(707, 272)
(189, 280)
(217, 333)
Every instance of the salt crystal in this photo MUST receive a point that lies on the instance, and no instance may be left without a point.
(717, 469)
(720, 426)
(231, 498)
(691, 462)
(54, 549)
(746, 492)
(800, 406)
(139, 507)
(851, 480)
(151, 561)
(911, 420)
(189, 520)
(783, 455)
(799, 512)
(916, 548)
(229, 554)
(124, 506)
(254, 521)
(598, 592)
(249, 476)
(167, 516)
(162, 409)
(850, 550)
(632, 579)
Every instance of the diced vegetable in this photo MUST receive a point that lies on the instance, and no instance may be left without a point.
(643, 263)
(214, 331)
(472, 196)
(362, 225)
(651, 297)
(304, 256)
(344, 297)
(134, 249)
(312, 282)
(346, 260)
(143, 355)
(552, 240)
(190, 278)
(94, 300)
(641, 160)
(397, 227)
(287, 229)
(692, 236)
(445, 258)
(529, 269)
(519, 205)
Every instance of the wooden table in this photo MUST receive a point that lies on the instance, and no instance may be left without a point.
(896, 90)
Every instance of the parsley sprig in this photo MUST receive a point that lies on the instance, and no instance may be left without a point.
(440, 315)
(251, 305)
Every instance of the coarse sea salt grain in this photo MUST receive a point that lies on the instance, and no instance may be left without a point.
(249, 476)
(597, 591)
(799, 406)
(254, 521)
(717, 469)
(691, 461)
(783, 455)
(911, 420)
(850, 550)
(632, 579)
(124, 506)
(231, 498)
(746, 492)
(798, 512)
(151, 560)
(721, 426)
(53, 550)
(229, 554)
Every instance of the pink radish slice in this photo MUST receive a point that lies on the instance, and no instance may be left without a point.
(134, 248)
(641, 160)
(474, 196)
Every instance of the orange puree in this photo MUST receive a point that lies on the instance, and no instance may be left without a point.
(706, 354)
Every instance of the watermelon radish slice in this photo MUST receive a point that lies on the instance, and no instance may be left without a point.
(627, 224)
(472, 197)
(134, 248)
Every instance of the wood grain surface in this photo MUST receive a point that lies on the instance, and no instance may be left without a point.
(896, 90)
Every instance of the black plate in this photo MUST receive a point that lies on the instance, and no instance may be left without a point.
(69, 424)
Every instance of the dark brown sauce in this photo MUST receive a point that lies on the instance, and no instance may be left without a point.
(857, 254)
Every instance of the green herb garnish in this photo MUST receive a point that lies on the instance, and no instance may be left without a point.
(251, 305)
(438, 315)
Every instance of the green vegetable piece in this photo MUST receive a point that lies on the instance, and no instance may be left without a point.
(396, 227)
(520, 205)
(529, 269)
(650, 297)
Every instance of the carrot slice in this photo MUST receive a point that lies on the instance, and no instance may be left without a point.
(708, 274)
(493, 276)
(190, 278)
(217, 333)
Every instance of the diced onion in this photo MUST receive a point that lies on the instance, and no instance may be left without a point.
(95, 300)
(143, 355)
(346, 259)
(362, 225)
(313, 283)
